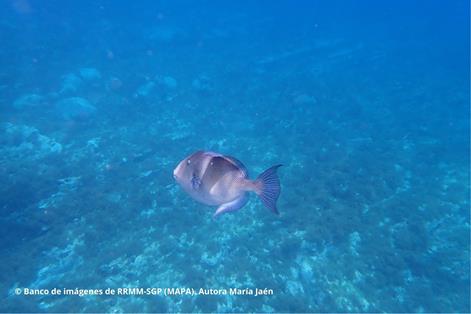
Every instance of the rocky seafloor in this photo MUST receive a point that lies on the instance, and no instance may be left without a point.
(375, 183)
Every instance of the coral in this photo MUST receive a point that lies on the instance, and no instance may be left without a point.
(28, 100)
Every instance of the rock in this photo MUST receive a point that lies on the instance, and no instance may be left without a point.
(114, 83)
(169, 82)
(70, 83)
(202, 84)
(210, 260)
(145, 90)
(28, 101)
(294, 288)
(25, 141)
(305, 269)
(304, 99)
(90, 74)
(355, 241)
(75, 108)
(161, 87)
(164, 33)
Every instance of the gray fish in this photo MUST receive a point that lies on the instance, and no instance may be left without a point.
(217, 180)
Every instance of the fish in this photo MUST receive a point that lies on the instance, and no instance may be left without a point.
(214, 179)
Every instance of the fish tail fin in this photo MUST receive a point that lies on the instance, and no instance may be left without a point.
(267, 187)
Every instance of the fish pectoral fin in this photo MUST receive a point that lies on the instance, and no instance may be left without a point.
(234, 205)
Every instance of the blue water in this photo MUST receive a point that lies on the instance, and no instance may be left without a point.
(365, 103)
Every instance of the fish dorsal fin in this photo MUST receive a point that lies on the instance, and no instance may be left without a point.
(238, 164)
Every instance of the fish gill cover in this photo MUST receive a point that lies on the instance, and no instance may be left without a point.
(365, 103)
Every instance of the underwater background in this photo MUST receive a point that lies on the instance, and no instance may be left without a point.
(365, 103)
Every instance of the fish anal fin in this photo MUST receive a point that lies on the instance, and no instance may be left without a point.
(234, 205)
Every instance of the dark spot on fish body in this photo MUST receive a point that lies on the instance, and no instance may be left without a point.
(195, 181)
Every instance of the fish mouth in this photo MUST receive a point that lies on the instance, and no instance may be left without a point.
(177, 171)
